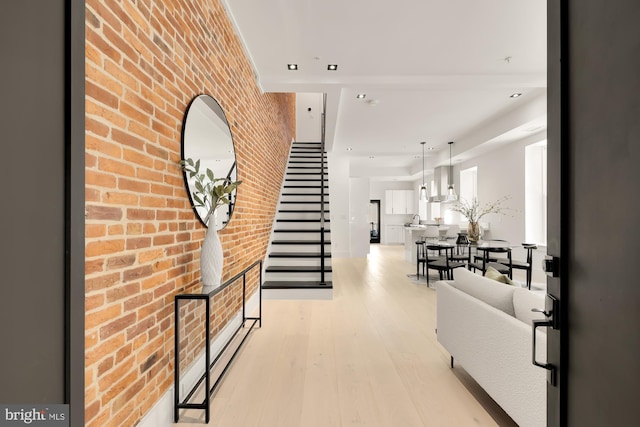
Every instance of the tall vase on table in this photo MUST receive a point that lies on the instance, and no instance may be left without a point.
(474, 232)
(211, 257)
(209, 192)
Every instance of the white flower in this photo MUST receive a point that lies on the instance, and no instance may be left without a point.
(473, 210)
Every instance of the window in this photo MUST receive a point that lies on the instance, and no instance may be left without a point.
(469, 184)
(535, 202)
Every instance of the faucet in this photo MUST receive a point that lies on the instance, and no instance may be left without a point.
(414, 217)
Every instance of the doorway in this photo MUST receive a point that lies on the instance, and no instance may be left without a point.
(374, 221)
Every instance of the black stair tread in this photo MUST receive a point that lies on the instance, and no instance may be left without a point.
(299, 242)
(303, 179)
(301, 220)
(302, 211)
(311, 155)
(298, 269)
(306, 186)
(302, 202)
(300, 230)
(305, 167)
(305, 194)
(307, 284)
(327, 254)
(304, 173)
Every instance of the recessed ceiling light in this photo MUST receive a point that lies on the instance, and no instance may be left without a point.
(292, 67)
(349, 149)
(332, 67)
(431, 148)
(515, 95)
(371, 157)
(361, 95)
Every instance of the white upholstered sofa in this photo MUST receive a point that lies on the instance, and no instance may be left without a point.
(486, 328)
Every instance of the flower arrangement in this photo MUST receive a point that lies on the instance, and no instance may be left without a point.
(210, 192)
(473, 210)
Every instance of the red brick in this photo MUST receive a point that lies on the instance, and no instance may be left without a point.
(144, 62)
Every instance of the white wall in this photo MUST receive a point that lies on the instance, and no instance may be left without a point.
(308, 123)
(359, 217)
(338, 167)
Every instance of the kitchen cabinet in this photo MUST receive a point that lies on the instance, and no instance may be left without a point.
(394, 234)
(399, 202)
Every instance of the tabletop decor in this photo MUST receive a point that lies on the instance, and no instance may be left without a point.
(473, 210)
(210, 193)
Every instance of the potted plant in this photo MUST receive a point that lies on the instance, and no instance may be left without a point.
(473, 211)
(211, 193)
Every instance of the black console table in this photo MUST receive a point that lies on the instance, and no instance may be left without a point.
(206, 376)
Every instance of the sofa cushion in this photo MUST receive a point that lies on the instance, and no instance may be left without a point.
(523, 301)
(489, 291)
(494, 274)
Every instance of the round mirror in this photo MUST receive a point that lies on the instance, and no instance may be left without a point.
(206, 140)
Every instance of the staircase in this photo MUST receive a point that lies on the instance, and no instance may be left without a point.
(294, 264)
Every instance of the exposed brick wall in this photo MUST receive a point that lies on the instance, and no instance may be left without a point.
(145, 60)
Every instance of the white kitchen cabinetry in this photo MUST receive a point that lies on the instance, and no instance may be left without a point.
(394, 234)
(398, 202)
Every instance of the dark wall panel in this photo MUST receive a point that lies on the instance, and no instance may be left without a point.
(604, 148)
(32, 176)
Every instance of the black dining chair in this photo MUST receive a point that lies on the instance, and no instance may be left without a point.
(523, 265)
(462, 253)
(490, 258)
(443, 263)
(421, 258)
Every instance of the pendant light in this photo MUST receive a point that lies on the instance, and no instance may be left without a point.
(423, 189)
(451, 191)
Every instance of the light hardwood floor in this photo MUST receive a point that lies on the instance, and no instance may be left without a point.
(369, 357)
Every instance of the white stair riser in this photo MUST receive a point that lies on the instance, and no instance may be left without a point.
(296, 277)
(301, 236)
(305, 159)
(301, 215)
(303, 206)
(301, 187)
(299, 248)
(305, 198)
(306, 174)
(297, 262)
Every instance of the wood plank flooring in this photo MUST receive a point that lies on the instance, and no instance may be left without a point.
(369, 357)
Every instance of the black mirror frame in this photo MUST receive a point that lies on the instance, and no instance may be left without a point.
(182, 157)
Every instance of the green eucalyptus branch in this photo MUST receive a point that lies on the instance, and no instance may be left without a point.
(210, 192)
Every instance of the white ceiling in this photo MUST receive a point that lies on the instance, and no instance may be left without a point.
(432, 70)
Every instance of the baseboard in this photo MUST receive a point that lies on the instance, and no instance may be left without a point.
(161, 414)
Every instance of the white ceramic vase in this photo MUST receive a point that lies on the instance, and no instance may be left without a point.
(211, 259)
